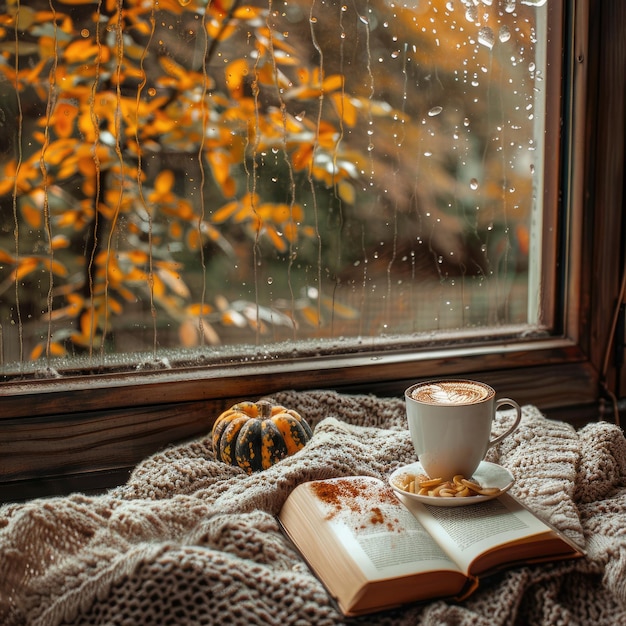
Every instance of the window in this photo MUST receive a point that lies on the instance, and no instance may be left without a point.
(187, 175)
(204, 202)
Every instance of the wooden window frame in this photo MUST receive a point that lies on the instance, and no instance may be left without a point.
(86, 432)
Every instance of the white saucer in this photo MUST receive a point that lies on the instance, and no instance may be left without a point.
(487, 475)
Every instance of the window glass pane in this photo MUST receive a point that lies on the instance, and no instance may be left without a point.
(179, 174)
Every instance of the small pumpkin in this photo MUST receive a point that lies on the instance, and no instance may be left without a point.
(256, 435)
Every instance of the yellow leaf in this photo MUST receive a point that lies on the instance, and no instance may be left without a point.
(302, 157)
(346, 192)
(290, 230)
(137, 257)
(174, 281)
(158, 288)
(233, 318)
(266, 74)
(342, 310)
(310, 315)
(127, 294)
(209, 333)
(80, 51)
(229, 187)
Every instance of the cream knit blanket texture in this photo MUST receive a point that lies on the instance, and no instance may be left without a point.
(189, 540)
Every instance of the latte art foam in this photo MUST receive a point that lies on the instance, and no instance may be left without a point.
(451, 392)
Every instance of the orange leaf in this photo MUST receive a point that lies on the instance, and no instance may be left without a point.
(278, 242)
(175, 230)
(56, 349)
(59, 241)
(198, 309)
(31, 214)
(220, 165)
(346, 110)
(87, 323)
(193, 240)
(63, 118)
(114, 306)
(26, 266)
(342, 310)
(236, 73)
(188, 333)
(164, 182)
(224, 212)
(36, 352)
(5, 257)
(333, 82)
(54, 267)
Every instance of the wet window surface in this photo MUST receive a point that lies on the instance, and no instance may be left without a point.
(181, 178)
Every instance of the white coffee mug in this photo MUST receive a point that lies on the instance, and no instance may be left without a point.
(450, 424)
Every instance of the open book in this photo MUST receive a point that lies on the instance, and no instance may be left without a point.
(373, 551)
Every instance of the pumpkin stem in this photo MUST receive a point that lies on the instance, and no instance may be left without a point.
(265, 409)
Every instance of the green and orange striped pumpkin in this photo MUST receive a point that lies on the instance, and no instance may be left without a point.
(256, 435)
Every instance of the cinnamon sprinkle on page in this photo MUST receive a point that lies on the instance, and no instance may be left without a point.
(357, 498)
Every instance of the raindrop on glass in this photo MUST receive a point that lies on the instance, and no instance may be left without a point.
(471, 15)
(435, 111)
(505, 34)
(486, 37)
(473, 184)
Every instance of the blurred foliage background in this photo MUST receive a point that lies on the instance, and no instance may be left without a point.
(181, 173)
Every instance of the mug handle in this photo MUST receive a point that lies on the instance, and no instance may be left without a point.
(518, 418)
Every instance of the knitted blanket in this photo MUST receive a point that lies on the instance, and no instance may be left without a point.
(189, 540)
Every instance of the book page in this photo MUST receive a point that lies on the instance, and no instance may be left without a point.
(468, 531)
(390, 542)
(367, 549)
